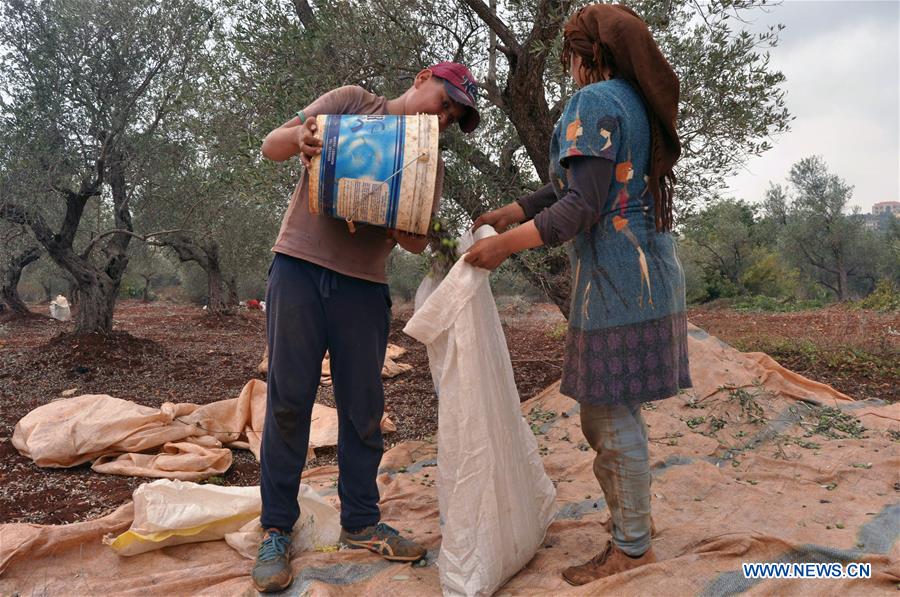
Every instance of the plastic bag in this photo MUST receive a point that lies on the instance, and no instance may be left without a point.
(59, 308)
(318, 529)
(170, 513)
(495, 499)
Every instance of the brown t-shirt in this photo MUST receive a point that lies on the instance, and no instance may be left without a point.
(327, 241)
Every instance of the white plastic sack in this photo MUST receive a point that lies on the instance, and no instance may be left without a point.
(318, 529)
(495, 499)
(59, 308)
(168, 512)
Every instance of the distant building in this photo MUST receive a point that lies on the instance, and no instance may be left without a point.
(887, 207)
(870, 221)
(881, 216)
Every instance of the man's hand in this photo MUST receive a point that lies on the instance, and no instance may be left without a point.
(414, 243)
(310, 146)
(502, 218)
(489, 252)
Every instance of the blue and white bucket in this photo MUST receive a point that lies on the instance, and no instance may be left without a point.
(376, 169)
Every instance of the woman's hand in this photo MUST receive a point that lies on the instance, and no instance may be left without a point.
(309, 145)
(488, 253)
(502, 218)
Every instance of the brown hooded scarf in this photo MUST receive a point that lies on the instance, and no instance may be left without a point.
(614, 35)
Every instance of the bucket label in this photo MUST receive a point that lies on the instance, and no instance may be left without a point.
(362, 149)
(362, 200)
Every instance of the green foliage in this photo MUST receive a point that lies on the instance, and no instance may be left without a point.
(801, 249)
(507, 280)
(885, 297)
(720, 245)
(835, 424)
(771, 304)
(405, 273)
(825, 243)
(695, 422)
(769, 275)
(251, 65)
(538, 417)
(751, 410)
(280, 58)
(559, 331)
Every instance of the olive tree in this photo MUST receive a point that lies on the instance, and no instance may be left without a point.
(88, 83)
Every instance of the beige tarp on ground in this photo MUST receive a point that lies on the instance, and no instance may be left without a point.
(735, 479)
(390, 369)
(187, 441)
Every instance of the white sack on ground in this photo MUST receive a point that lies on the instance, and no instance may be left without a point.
(495, 499)
(59, 308)
(170, 513)
(318, 528)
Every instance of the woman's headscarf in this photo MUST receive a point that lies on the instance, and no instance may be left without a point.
(615, 33)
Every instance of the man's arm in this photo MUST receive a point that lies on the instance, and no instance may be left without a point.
(296, 137)
(413, 243)
(292, 138)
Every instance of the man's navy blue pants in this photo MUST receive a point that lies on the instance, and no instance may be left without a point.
(311, 309)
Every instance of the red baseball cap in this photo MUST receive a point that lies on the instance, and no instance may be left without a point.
(462, 88)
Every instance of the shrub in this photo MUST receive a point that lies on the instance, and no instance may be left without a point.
(885, 297)
(770, 276)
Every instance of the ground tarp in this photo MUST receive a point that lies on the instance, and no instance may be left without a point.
(176, 441)
(390, 369)
(756, 464)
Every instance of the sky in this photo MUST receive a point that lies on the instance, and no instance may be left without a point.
(842, 63)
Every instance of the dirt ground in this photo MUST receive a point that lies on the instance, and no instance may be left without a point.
(167, 352)
(853, 350)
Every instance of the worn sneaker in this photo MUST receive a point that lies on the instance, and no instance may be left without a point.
(385, 541)
(272, 570)
(611, 560)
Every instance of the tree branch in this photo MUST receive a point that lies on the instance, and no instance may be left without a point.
(143, 237)
(493, 22)
(305, 14)
(17, 214)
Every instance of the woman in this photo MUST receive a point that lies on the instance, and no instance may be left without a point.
(611, 160)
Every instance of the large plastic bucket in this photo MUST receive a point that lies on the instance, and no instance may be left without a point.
(376, 169)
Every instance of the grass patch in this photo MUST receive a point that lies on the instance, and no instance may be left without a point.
(843, 361)
(558, 332)
(762, 303)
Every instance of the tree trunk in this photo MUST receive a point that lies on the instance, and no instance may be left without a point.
(145, 292)
(70, 293)
(215, 297)
(96, 303)
(233, 298)
(207, 257)
(97, 292)
(843, 284)
(9, 292)
(556, 281)
(523, 101)
(96, 287)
